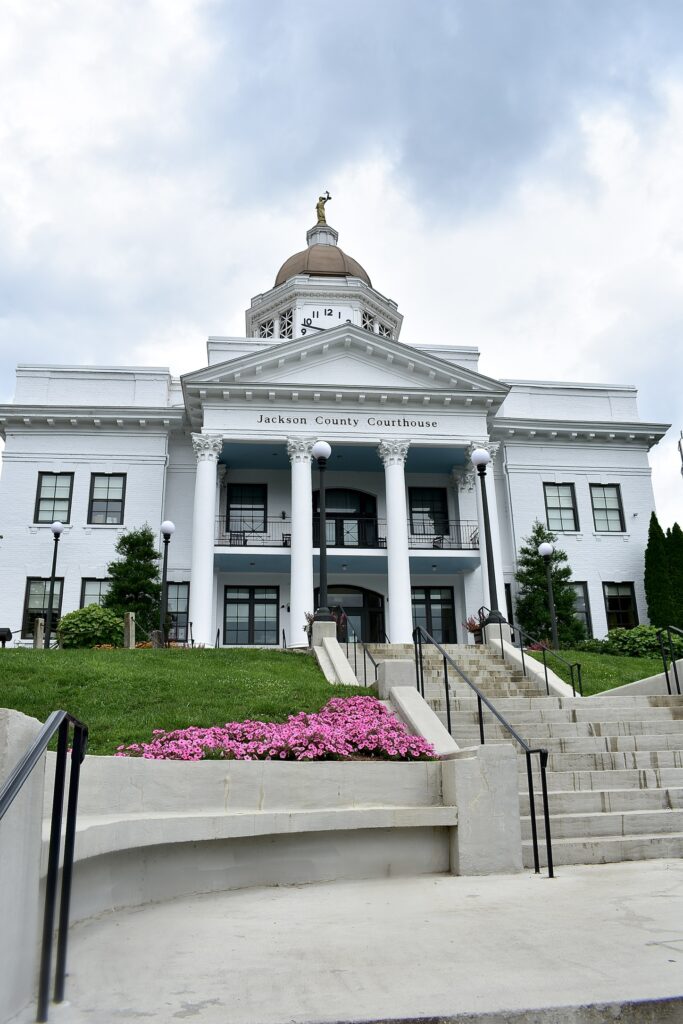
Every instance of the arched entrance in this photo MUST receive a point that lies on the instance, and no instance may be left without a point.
(364, 610)
(351, 518)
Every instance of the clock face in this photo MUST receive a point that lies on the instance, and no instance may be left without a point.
(317, 318)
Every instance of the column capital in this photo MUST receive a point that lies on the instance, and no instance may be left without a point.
(393, 453)
(299, 448)
(463, 478)
(489, 446)
(207, 447)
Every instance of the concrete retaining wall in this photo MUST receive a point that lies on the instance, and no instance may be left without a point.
(19, 868)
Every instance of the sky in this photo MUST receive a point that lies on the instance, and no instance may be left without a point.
(509, 171)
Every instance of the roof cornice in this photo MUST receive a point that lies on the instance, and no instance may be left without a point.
(528, 429)
(69, 417)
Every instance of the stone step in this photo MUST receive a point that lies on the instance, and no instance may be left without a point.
(585, 780)
(568, 730)
(609, 824)
(565, 716)
(570, 745)
(616, 760)
(607, 849)
(597, 801)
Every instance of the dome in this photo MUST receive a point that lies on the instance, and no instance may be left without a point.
(321, 261)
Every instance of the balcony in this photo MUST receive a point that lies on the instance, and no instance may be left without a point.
(342, 532)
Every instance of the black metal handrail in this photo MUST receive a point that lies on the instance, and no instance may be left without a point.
(573, 666)
(61, 722)
(284, 639)
(420, 634)
(669, 631)
(344, 630)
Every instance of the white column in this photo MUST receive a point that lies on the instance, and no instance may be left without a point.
(400, 612)
(301, 553)
(207, 448)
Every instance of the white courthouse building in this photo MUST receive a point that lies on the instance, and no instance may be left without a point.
(225, 453)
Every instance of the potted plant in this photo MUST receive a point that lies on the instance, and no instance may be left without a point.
(473, 625)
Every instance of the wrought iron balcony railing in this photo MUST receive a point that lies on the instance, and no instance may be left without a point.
(253, 532)
(347, 532)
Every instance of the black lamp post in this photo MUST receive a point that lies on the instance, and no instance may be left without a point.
(56, 528)
(546, 550)
(167, 531)
(321, 452)
(481, 459)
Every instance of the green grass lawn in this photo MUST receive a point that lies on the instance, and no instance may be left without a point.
(123, 695)
(602, 671)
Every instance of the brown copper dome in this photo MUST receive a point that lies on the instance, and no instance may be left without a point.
(323, 261)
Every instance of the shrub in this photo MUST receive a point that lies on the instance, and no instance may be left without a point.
(90, 627)
(639, 642)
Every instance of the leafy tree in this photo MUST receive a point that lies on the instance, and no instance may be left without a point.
(135, 585)
(674, 543)
(658, 591)
(89, 626)
(533, 611)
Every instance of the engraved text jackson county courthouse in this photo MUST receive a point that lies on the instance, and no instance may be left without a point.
(225, 453)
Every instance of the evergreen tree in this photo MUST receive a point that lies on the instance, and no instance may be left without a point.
(533, 611)
(135, 585)
(657, 579)
(674, 543)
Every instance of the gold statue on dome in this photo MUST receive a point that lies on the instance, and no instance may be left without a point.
(320, 207)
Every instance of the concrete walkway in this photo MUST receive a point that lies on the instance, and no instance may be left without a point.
(436, 946)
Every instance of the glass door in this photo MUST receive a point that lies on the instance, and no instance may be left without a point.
(433, 610)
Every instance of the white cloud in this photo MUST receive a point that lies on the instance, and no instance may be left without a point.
(129, 223)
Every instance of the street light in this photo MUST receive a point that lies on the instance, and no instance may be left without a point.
(480, 460)
(546, 551)
(167, 531)
(321, 452)
(56, 528)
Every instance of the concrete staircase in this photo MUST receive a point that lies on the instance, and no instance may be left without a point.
(615, 767)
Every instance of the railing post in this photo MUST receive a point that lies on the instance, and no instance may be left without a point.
(51, 876)
(448, 699)
(77, 755)
(543, 758)
(660, 637)
(571, 674)
(673, 661)
(545, 669)
(532, 811)
(481, 721)
(521, 651)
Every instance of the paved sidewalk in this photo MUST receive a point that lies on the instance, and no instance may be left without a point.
(393, 948)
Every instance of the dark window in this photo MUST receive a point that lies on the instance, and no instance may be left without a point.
(608, 514)
(620, 605)
(247, 508)
(428, 511)
(178, 606)
(251, 615)
(93, 591)
(582, 608)
(350, 517)
(36, 603)
(560, 507)
(433, 610)
(53, 500)
(107, 497)
(364, 610)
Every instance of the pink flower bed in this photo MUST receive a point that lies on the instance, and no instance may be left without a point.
(345, 727)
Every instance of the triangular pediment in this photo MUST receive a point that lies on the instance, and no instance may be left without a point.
(347, 357)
